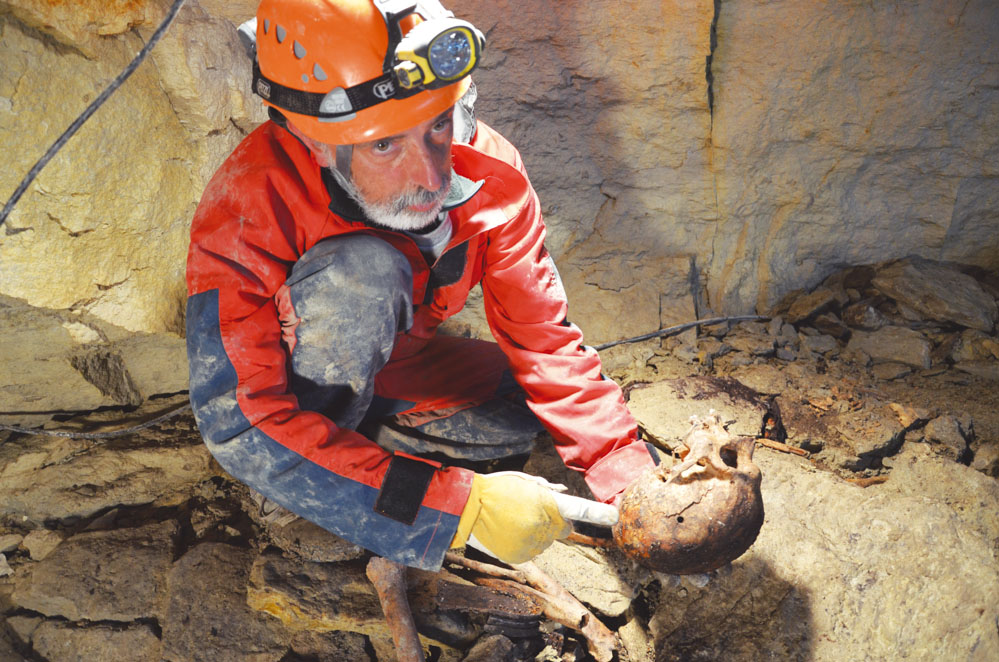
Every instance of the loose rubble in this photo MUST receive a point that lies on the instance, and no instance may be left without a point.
(880, 513)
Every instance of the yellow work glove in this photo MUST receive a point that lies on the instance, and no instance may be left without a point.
(512, 515)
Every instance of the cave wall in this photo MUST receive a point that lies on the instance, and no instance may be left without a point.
(692, 157)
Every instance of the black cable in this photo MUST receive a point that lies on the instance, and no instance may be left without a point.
(682, 327)
(98, 435)
(170, 414)
(74, 127)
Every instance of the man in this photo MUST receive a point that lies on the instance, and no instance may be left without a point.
(327, 250)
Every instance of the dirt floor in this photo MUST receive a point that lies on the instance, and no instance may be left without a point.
(811, 398)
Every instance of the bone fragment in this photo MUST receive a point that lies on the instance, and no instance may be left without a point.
(389, 579)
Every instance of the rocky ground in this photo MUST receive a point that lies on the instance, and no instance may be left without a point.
(881, 539)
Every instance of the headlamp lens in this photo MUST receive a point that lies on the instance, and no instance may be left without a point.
(450, 53)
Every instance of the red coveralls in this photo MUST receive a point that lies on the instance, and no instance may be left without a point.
(264, 208)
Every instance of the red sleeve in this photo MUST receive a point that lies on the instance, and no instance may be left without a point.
(527, 311)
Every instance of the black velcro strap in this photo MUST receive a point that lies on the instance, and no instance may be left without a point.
(403, 488)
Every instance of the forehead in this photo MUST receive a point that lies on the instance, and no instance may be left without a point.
(416, 131)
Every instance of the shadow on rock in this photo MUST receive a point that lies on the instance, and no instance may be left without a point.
(741, 612)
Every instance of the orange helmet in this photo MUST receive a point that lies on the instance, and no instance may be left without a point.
(351, 71)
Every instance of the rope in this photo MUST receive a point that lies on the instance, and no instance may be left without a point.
(74, 127)
(110, 434)
(681, 327)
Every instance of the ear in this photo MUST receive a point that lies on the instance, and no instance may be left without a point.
(321, 152)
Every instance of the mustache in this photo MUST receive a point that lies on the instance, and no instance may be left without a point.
(421, 197)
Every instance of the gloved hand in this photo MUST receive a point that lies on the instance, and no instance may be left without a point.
(513, 515)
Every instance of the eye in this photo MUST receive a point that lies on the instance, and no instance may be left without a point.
(442, 125)
(381, 146)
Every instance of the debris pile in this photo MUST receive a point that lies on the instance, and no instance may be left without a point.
(858, 355)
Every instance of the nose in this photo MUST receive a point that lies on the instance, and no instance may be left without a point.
(427, 165)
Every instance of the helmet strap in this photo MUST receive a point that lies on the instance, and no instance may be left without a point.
(344, 154)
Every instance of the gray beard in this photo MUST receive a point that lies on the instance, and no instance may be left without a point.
(393, 214)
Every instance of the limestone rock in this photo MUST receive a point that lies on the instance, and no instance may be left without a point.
(973, 345)
(313, 543)
(938, 292)
(602, 580)
(41, 542)
(870, 433)
(800, 191)
(104, 227)
(827, 582)
(988, 370)
(819, 344)
(207, 86)
(627, 280)
(36, 372)
(7, 651)
(56, 361)
(636, 639)
(947, 434)
(21, 627)
(208, 617)
(810, 304)
(671, 403)
(889, 371)
(331, 646)
(5, 569)
(863, 315)
(81, 24)
(102, 575)
(490, 648)
(830, 324)
(234, 11)
(756, 345)
(64, 642)
(52, 478)
(893, 344)
(321, 597)
(156, 364)
(9, 542)
(986, 459)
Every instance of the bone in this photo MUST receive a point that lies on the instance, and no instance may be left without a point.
(389, 579)
(705, 440)
(563, 607)
(559, 605)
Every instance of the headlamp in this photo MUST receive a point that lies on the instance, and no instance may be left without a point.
(439, 51)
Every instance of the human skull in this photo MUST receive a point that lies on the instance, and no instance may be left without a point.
(683, 520)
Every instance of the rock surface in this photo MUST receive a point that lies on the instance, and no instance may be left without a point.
(712, 175)
(58, 478)
(61, 642)
(207, 617)
(939, 293)
(102, 576)
(841, 566)
(816, 582)
(739, 180)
